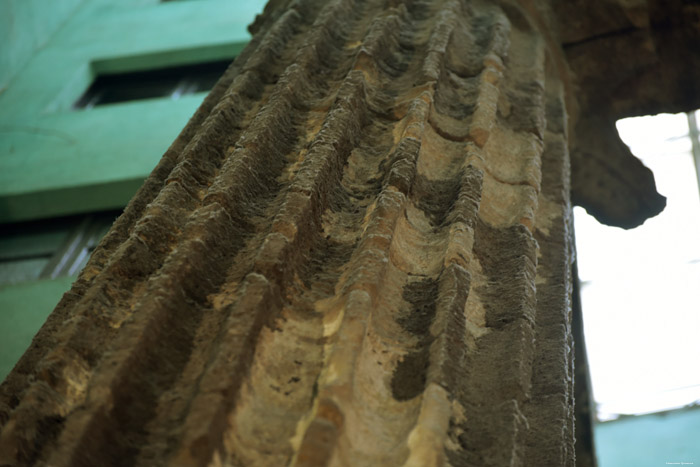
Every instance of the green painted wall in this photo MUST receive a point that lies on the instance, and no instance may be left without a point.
(25, 26)
(650, 440)
(56, 161)
(24, 309)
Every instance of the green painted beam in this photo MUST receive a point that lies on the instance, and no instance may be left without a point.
(77, 199)
(87, 160)
(166, 58)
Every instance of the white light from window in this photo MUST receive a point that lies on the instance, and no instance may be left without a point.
(640, 292)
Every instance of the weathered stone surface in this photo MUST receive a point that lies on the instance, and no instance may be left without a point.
(358, 252)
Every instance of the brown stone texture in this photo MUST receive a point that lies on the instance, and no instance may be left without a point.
(357, 253)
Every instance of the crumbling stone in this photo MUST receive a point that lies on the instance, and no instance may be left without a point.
(359, 249)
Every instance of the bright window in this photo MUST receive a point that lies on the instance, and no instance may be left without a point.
(641, 288)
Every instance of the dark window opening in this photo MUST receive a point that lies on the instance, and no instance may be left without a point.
(173, 82)
(47, 249)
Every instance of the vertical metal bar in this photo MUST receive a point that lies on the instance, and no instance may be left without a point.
(694, 135)
(65, 257)
(585, 408)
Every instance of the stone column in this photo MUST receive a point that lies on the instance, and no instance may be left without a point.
(358, 252)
